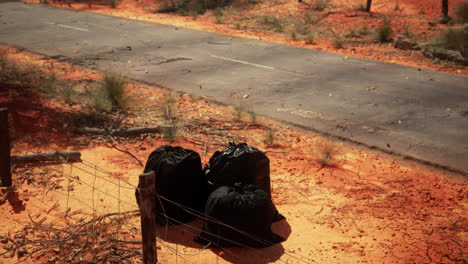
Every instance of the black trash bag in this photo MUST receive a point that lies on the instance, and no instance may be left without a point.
(239, 163)
(180, 179)
(239, 216)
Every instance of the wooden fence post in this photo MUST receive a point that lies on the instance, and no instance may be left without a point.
(146, 194)
(5, 169)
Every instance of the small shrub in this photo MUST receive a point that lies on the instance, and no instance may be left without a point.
(294, 35)
(310, 38)
(50, 85)
(326, 151)
(338, 41)
(406, 30)
(269, 137)
(302, 29)
(253, 116)
(352, 34)
(170, 133)
(169, 109)
(193, 8)
(272, 22)
(67, 93)
(168, 112)
(101, 102)
(384, 32)
(461, 12)
(219, 14)
(312, 18)
(321, 5)
(113, 3)
(453, 39)
(364, 31)
(111, 94)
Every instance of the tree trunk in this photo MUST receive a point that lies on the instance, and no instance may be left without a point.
(368, 6)
(445, 8)
(445, 18)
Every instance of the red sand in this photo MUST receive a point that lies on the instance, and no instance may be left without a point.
(367, 207)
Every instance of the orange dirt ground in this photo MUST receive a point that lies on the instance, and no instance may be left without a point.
(365, 207)
(339, 18)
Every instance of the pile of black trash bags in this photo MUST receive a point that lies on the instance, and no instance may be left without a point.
(232, 194)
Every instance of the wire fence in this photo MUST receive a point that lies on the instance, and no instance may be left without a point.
(116, 194)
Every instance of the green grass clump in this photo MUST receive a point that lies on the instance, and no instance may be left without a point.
(170, 133)
(269, 138)
(384, 32)
(111, 94)
(338, 41)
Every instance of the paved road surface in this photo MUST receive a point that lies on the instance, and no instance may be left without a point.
(420, 113)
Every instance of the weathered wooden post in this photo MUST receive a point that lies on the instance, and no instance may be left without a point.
(145, 195)
(5, 170)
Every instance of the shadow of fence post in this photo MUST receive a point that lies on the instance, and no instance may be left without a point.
(5, 169)
(145, 195)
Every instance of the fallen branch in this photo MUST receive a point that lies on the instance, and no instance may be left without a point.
(123, 132)
(124, 150)
(61, 156)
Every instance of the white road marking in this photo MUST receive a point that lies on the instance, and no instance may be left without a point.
(244, 62)
(65, 26)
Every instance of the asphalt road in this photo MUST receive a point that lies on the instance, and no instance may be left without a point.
(419, 113)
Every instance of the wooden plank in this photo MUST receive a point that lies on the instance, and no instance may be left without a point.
(5, 169)
(145, 195)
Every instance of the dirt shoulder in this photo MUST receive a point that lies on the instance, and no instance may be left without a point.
(340, 27)
(343, 203)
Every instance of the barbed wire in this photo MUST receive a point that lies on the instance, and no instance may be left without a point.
(189, 210)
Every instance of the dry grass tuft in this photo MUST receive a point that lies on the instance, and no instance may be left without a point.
(326, 152)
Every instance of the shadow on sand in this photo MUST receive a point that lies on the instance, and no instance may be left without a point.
(184, 234)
